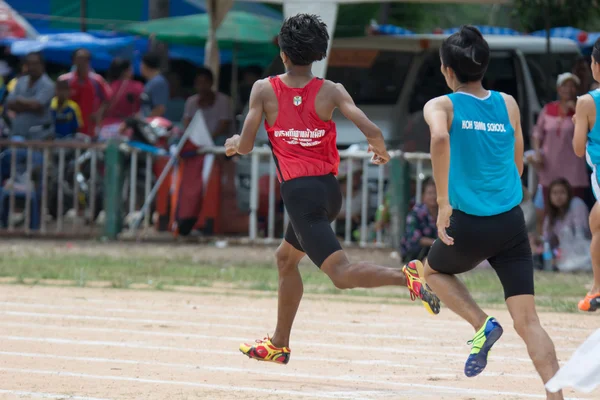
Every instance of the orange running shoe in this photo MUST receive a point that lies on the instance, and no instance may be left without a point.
(418, 288)
(590, 303)
(263, 350)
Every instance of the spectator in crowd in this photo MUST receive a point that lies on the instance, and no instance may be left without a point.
(30, 101)
(125, 101)
(356, 199)
(66, 114)
(564, 211)
(89, 90)
(552, 141)
(250, 75)
(176, 104)
(156, 91)
(582, 70)
(421, 230)
(215, 107)
(13, 82)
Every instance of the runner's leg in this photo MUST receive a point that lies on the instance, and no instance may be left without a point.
(454, 294)
(290, 292)
(539, 345)
(595, 246)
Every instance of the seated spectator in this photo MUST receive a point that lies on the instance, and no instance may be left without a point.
(564, 211)
(421, 229)
(30, 101)
(126, 91)
(66, 114)
(215, 106)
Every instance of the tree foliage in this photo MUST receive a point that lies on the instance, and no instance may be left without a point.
(531, 14)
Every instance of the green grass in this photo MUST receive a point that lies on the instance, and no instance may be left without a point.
(557, 292)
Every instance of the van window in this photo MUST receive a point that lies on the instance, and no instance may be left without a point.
(544, 78)
(372, 77)
(501, 76)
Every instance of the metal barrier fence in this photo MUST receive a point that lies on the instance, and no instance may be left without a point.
(50, 178)
(46, 178)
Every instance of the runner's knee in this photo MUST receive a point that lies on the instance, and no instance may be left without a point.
(339, 278)
(525, 323)
(286, 262)
(336, 268)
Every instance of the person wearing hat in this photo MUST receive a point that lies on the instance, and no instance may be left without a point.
(553, 155)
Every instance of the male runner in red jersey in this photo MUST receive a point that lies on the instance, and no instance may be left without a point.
(298, 109)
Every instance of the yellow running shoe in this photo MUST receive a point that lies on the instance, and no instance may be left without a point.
(264, 350)
(418, 288)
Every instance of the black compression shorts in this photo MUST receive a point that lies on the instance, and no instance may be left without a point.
(312, 203)
(501, 239)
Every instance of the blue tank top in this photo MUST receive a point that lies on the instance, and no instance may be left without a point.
(484, 179)
(593, 142)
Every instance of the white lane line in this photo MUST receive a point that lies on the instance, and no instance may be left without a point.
(271, 310)
(254, 329)
(354, 394)
(40, 395)
(434, 325)
(449, 373)
(259, 371)
(411, 349)
(143, 345)
(199, 312)
(318, 394)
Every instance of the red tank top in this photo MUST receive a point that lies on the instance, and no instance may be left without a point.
(303, 144)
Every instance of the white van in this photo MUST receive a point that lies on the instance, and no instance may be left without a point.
(392, 77)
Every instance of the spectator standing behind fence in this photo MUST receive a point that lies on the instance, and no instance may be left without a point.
(156, 91)
(10, 86)
(30, 101)
(89, 90)
(215, 106)
(127, 92)
(564, 211)
(66, 114)
(552, 141)
(421, 230)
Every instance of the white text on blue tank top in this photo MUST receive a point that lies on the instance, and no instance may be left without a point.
(482, 126)
(303, 138)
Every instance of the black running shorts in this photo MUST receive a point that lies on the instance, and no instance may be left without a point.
(501, 239)
(312, 203)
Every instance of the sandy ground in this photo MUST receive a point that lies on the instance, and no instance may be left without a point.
(89, 344)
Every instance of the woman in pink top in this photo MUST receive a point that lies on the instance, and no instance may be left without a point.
(552, 141)
(126, 93)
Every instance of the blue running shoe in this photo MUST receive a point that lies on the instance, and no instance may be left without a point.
(482, 343)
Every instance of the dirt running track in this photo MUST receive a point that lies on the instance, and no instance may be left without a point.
(90, 344)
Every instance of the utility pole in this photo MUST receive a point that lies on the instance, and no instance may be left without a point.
(384, 12)
(83, 15)
(159, 9)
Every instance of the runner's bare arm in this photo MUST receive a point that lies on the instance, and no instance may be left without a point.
(244, 143)
(515, 120)
(345, 103)
(436, 113)
(585, 106)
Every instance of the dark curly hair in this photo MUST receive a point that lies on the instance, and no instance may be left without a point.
(303, 39)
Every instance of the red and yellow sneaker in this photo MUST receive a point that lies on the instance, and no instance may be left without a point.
(263, 350)
(418, 288)
(590, 303)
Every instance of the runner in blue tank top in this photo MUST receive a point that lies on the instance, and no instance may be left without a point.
(586, 142)
(477, 157)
